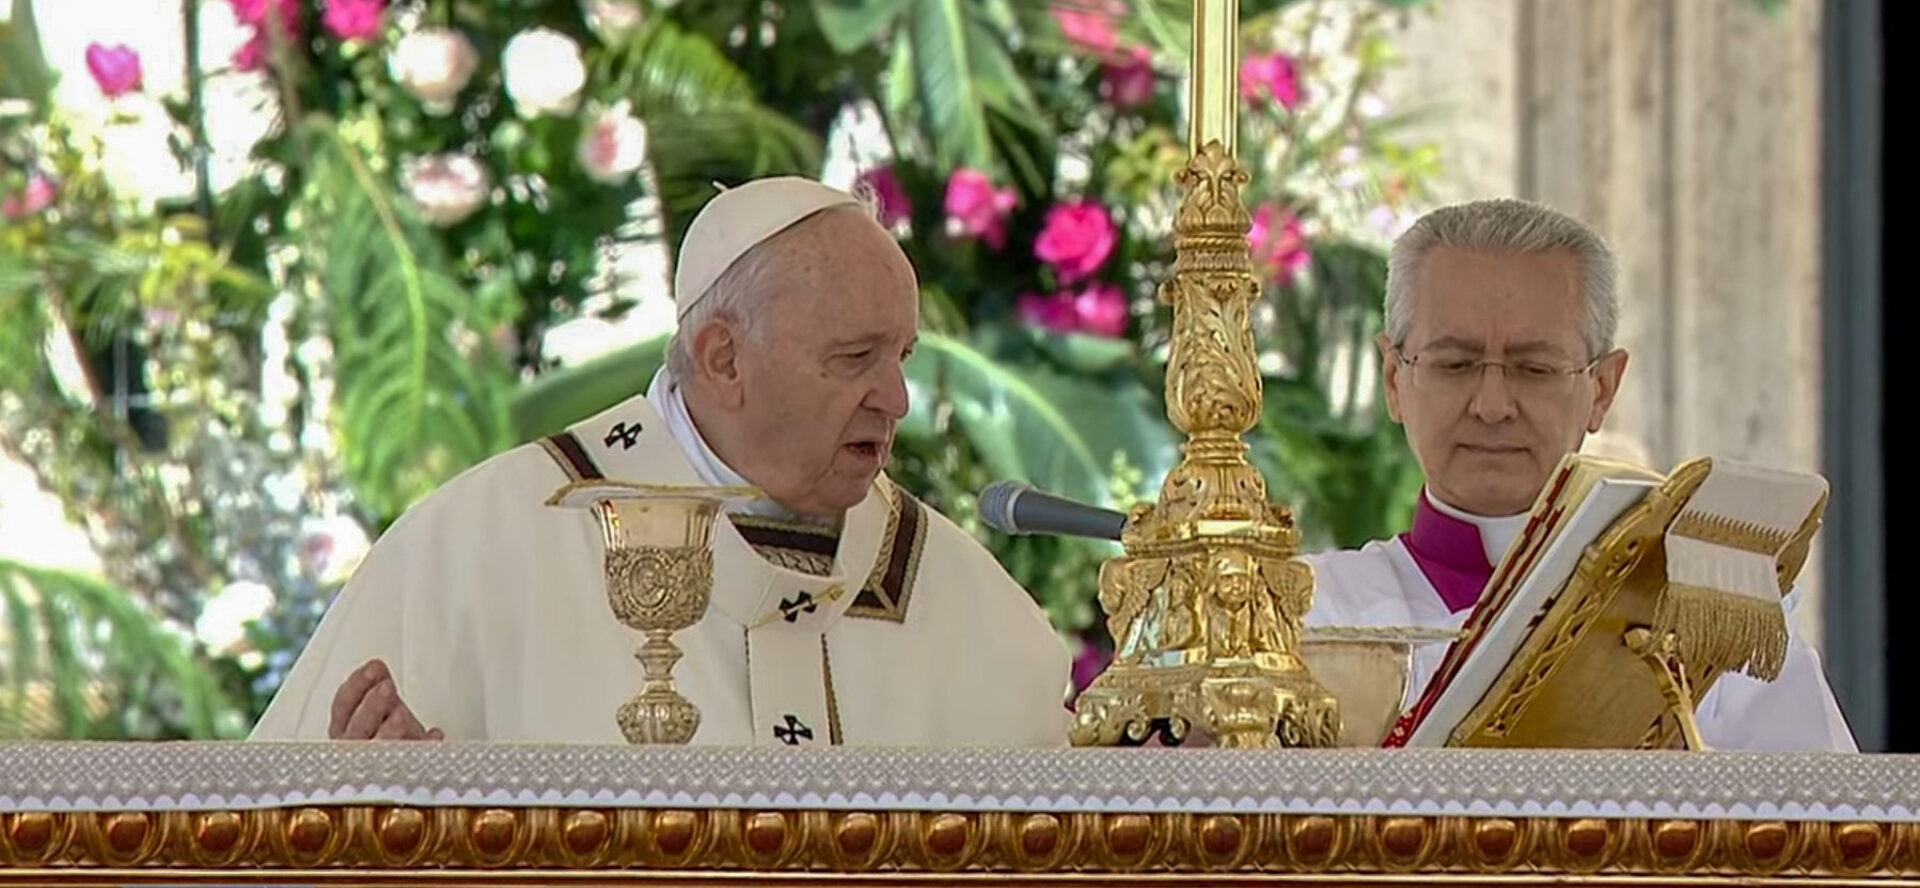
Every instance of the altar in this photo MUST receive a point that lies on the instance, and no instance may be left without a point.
(390, 814)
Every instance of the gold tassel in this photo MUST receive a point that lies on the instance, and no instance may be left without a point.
(1722, 630)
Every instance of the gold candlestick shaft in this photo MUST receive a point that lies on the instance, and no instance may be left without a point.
(1213, 90)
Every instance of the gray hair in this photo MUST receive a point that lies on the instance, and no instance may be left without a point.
(739, 294)
(1512, 226)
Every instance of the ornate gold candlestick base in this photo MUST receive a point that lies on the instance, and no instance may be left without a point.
(659, 573)
(1205, 607)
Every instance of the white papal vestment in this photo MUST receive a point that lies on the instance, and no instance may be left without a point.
(1381, 584)
(491, 609)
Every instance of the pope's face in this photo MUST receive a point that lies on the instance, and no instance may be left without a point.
(1488, 436)
(822, 385)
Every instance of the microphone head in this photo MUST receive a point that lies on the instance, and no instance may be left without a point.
(996, 505)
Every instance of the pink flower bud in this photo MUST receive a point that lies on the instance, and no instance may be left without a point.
(354, 19)
(116, 69)
(1273, 76)
(1129, 83)
(975, 208)
(1279, 244)
(894, 205)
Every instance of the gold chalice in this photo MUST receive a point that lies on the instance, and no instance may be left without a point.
(659, 569)
(1366, 668)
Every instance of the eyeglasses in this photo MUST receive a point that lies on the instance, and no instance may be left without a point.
(1454, 374)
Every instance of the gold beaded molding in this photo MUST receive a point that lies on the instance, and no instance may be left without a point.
(334, 845)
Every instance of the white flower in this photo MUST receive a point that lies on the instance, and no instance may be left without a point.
(330, 549)
(544, 72)
(613, 20)
(222, 625)
(434, 64)
(613, 145)
(446, 188)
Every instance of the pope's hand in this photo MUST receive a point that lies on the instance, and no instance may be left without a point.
(368, 707)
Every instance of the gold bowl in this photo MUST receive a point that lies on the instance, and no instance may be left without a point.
(1367, 669)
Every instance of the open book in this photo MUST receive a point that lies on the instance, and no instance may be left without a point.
(1697, 562)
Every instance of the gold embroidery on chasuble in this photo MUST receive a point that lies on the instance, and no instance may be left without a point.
(806, 548)
(889, 588)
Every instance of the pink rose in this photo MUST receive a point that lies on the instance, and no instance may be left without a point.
(895, 207)
(613, 146)
(36, 196)
(1274, 76)
(1100, 309)
(1076, 241)
(116, 69)
(256, 12)
(977, 209)
(1129, 83)
(1053, 312)
(1088, 23)
(354, 19)
(284, 15)
(1279, 244)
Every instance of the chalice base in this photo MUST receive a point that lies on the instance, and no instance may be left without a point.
(659, 716)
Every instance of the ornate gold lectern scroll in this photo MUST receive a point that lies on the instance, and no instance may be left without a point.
(1205, 606)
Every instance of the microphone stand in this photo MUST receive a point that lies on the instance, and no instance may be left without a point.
(1205, 607)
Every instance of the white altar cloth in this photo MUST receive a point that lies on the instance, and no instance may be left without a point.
(1438, 782)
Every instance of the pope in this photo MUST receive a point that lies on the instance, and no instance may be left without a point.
(844, 610)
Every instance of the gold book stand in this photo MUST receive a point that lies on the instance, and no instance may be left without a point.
(1622, 655)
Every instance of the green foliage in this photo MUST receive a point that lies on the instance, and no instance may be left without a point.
(1057, 431)
(563, 397)
(23, 67)
(83, 660)
(707, 124)
(417, 403)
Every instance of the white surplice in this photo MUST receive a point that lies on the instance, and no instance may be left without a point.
(1380, 584)
(491, 609)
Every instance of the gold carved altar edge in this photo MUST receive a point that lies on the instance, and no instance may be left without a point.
(554, 846)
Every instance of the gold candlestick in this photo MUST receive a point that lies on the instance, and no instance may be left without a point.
(1205, 606)
(659, 575)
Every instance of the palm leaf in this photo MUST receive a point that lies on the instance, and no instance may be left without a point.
(1059, 433)
(413, 407)
(704, 121)
(559, 399)
(665, 69)
(23, 66)
(691, 152)
(23, 335)
(86, 661)
(946, 85)
(851, 25)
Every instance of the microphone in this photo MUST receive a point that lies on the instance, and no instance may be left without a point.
(1015, 508)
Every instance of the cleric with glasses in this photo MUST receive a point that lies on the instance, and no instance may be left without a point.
(1498, 359)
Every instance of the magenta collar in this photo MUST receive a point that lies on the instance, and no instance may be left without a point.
(1450, 554)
